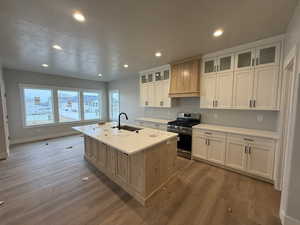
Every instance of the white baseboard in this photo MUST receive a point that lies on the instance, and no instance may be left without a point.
(287, 220)
(41, 138)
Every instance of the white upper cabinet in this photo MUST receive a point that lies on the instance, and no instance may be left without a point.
(208, 91)
(225, 63)
(216, 87)
(245, 79)
(245, 59)
(268, 55)
(209, 66)
(154, 87)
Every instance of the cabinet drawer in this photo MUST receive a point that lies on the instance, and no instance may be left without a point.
(254, 140)
(208, 133)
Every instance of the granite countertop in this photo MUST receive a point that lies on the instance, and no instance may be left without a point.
(125, 141)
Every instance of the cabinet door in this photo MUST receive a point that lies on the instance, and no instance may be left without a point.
(87, 147)
(199, 146)
(150, 94)
(265, 90)
(236, 156)
(101, 157)
(209, 66)
(224, 91)
(122, 170)
(243, 88)
(208, 91)
(261, 160)
(111, 160)
(144, 95)
(166, 100)
(268, 55)
(216, 150)
(225, 63)
(244, 60)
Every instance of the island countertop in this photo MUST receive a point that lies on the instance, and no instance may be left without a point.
(125, 141)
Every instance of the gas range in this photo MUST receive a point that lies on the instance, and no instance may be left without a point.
(184, 123)
(183, 126)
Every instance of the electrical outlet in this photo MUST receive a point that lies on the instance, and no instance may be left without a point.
(260, 118)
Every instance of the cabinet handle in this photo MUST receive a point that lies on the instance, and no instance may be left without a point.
(208, 142)
(257, 61)
(213, 103)
(246, 149)
(217, 68)
(216, 103)
(249, 150)
(254, 103)
(207, 133)
(252, 62)
(250, 103)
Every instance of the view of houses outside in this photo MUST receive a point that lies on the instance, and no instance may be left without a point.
(38, 106)
(91, 103)
(68, 106)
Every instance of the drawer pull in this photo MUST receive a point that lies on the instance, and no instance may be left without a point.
(247, 139)
(208, 133)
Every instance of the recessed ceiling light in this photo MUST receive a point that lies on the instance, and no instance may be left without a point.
(45, 65)
(218, 33)
(78, 16)
(57, 47)
(125, 65)
(99, 75)
(158, 54)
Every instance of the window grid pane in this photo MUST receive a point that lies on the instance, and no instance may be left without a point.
(38, 106)
(91, 103)
(68, 106)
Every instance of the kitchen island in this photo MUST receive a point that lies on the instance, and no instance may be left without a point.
(141, 161)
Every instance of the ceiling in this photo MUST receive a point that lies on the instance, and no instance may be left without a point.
(128, 32)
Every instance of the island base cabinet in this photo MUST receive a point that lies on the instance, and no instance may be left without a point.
(141, 174)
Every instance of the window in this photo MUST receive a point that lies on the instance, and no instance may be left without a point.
(114, 104)
(44, 105)
(68, 106)
(38, 105)
(91, 105)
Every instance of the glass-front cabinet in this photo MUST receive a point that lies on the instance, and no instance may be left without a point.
(245, 59)
(267, 55)
(154, 87)
(225, 63)
(218, 64)
(256, 57)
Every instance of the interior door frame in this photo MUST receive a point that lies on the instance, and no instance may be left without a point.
(282, 170)
(290, 60)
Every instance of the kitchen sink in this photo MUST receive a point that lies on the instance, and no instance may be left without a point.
(129, 128)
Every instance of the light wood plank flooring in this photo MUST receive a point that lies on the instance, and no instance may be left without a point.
(41, 184)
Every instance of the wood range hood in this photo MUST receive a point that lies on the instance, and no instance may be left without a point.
(185, 78)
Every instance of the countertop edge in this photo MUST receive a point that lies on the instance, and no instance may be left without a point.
(239, 131)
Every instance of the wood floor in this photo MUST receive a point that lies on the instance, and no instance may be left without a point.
(41, 184)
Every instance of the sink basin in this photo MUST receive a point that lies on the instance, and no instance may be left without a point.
(129, 128)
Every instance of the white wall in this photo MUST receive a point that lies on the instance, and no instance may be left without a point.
(129, 93)
(12, 80)
(291, 194)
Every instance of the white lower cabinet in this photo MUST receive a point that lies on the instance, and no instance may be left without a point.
(199, 146)
(254, 156)
(235, 155)
(216, 150)
(209, 147)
